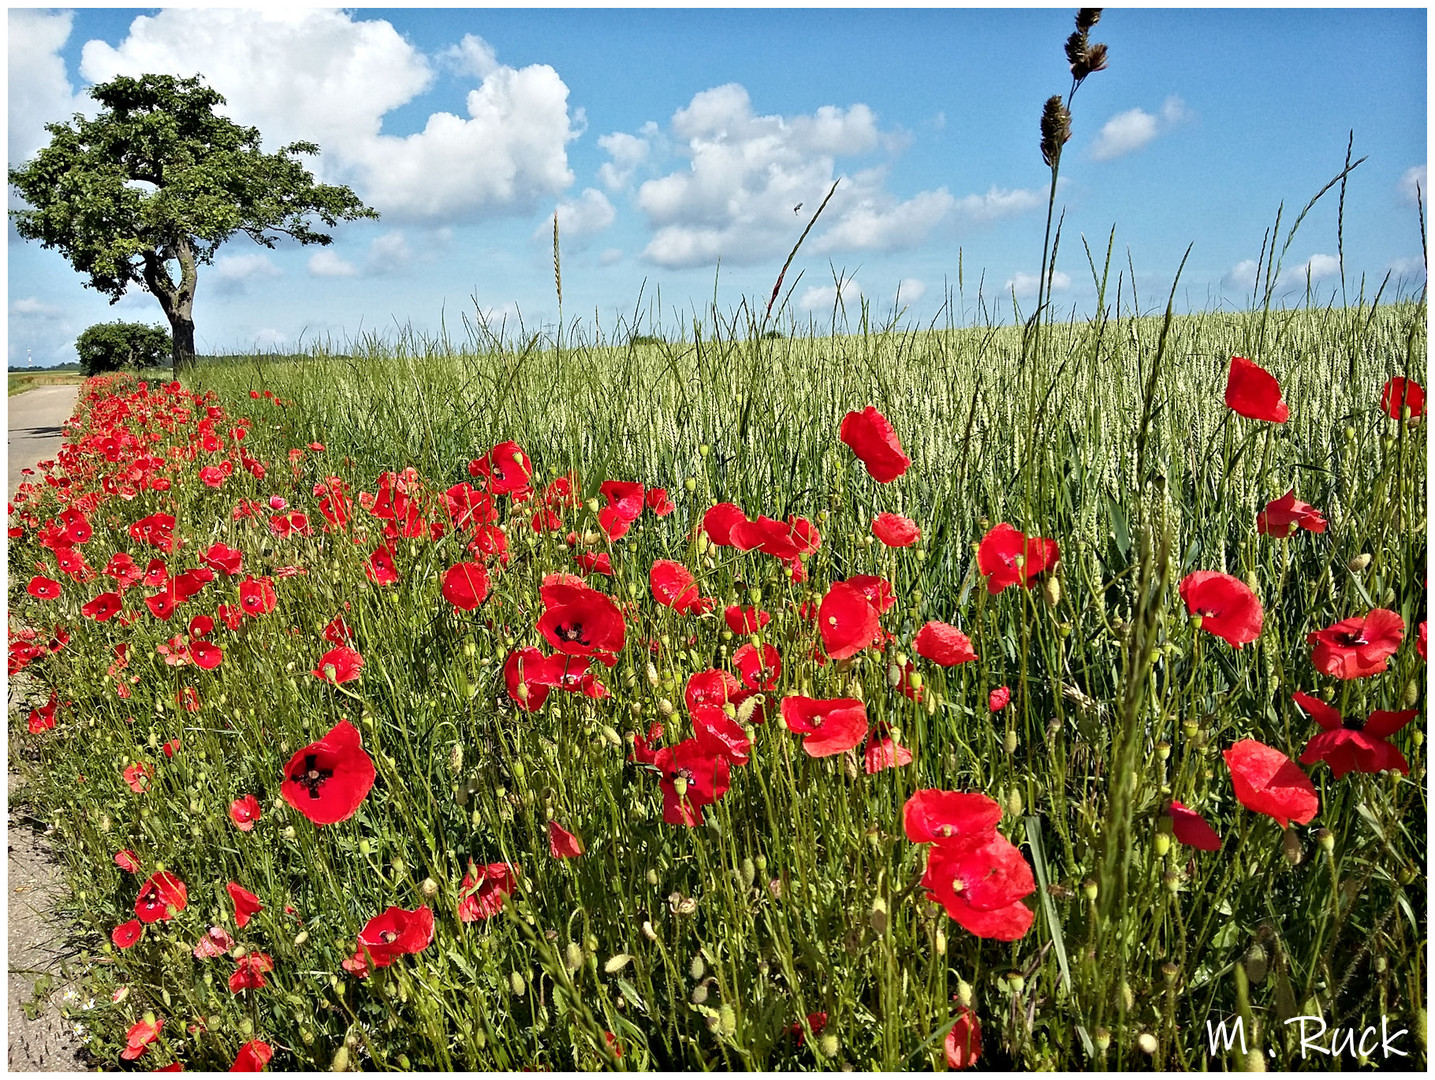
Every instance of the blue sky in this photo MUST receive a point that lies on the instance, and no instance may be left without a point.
(675, 145)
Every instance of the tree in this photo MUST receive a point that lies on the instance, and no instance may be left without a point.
(147, 191)
(115, 345)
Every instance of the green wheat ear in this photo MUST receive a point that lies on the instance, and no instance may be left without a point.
(557, 266)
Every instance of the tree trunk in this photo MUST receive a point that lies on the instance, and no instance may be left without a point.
(181, 328)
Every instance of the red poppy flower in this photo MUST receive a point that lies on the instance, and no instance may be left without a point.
(206, 655)
(625, 504)
(483, 889)
(526, 676)
(1420, 639)
(381, 569)
(137, 776)
(161, 605)
(692, 777)
(817, 1021)
(719, 521)
(980, 881)
(1268, 782)
(595, 563)
(1285, 515)
(161, 898)
(127, 860)
(964, 1042)
(201, 626)
(1400, 393)
(327, 780)
(252, 1056)
(42, 718)
(1352, 745)
(884, 752)
(832, 726)
(1191, 829)
(126, 934)
(1359, 646)
(759, 670)
(719, 734)
(232, 615)
(745, 620)
(156, 530)
(943, 644)
(170, 747)
(711, 687)
(249, 972)
(999, 699)
(244, 812)
(658, 502)
(580, 621)
(874, 441)
(506, 468)
(246, 904)
(397, 932)
(673, 586)
(465, 585)
(932, 815)
(847, 621)
(1007, 557)
(257, 596)
(894, 530)
(78, 529)
(1225, 605)
(138, 1038)
(562, 844)
(340, 664)
(215, 942)
(43, 588)
(1253, 392)
(122, 568)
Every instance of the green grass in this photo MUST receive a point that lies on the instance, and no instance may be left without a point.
(1109, 437)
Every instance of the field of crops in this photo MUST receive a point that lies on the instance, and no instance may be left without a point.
(893, 699)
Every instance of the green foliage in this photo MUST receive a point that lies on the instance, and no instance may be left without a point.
(156, 182)
(112, 346)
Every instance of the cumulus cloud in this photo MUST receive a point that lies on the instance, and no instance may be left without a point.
(1024, 284)
(388, 252)
(579, 218)
(910, 290)
(269, 338)
(34, 307)
(822, 298)
(752, 181)
(1131, 130)
(997, 203)
(625, 152)
(326, 263)
(40, 91)
(1242, 276)
(331, 77)
(232, 273)
(1409, 180)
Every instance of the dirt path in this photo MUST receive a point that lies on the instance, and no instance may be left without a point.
(34, 420)
(45, 1043)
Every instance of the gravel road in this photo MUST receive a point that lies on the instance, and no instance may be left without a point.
(34, 422)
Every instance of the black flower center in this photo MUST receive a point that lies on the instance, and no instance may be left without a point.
(1352, 638)
(573, 632)
(310, 777)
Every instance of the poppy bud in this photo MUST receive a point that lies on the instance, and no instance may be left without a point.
(648, 931)
(616, 963)
(1014, 802)
(1103, 1039)
(1252, 582)
(573, 957)
(727, 1020)
(691, 484)
(1170, 972)
(1147, 1042)
(1162, 845)
(964, 993)
(1411, 695)
(341, 1060)
(289, 832)
(429, 888)
(1172, 881)
(1051, 591)
(878, 917)
(1290, 847)
(665, 707)
(1089, 889)
(941, 942)
(1009, 741)
(517, 983)
(829, 1045)
(1255, 964)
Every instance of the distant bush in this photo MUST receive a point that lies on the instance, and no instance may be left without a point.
(646, 339)
(115, 345)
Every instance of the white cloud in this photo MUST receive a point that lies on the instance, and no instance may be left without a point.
(1317, 267)
(822, 298)
(40, 91)
(1415, 175)
(627, 153)
(1407, 267)
(1024, 284)
(31, 305)
(1242, 276)
(747, 174)
(910, 290)
(269, 338)
(331, 77)
(233, 272)
(997, 203)
(326, 263)
(579, 218)
(1131, 130)
(388, 252)
(610, 256)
